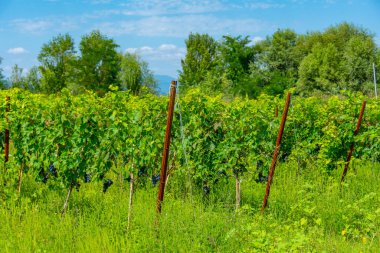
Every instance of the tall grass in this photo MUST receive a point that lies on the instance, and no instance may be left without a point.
(308, 211)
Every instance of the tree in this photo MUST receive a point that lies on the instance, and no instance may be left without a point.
(99, 63)
(377, 65)
(320, 70)
(17, 80)
(236, 56)
(2, 79)
(135, 74)
(359, 55)
(338, 58)
(200, 58)
(33, 80)
(275, 67)
(57, 59)
(235, 59)
(281, 52)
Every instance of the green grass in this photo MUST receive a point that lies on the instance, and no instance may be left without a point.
(308, 212)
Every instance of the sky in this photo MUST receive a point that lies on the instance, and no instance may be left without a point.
(157, 30)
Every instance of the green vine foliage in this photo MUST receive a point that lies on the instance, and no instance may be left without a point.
(87, 134)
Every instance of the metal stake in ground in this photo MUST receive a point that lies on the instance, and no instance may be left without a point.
(374, 79)
(165, 156)
(7, 109)
(352, 144)
(275, 154)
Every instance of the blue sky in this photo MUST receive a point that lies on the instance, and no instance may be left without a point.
(157, 29)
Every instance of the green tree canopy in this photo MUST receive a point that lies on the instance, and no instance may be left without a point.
(33, 80)
(57, 58)
(2, 80)
(275, 67)
(135, 74)
(17, 79)
(338, 58)
(236, 56)
(99, 63)
(320, 70)
(359, 56)
(200, 58)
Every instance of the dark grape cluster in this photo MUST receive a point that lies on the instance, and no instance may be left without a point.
(46, 174)
(53, 170)
(155, 179)
(259, 164)
(261, 178)
(107, 184)
(142, 171)
(87, 177)
(206, 190)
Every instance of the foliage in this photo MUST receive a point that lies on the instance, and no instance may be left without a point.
(2, 81)
(99, 63)
(57, 58)
(87, 134)
(339, 58)
(118, 134)
(33, 80)
(16, 79)
(320, 70)
(135, 74)
(200, 58)
(308, 212)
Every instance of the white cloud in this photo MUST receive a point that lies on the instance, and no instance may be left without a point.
(31, 25)
(98, 1)
(167, 47)
(163, 59)
(17, 50)
(257, 39)
(170, 26)
(164, 52)
(40, 25)
(180, 7)
(158, 7)
(264, 5)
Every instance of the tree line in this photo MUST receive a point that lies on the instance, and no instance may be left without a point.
(339, 58)
(98, 67)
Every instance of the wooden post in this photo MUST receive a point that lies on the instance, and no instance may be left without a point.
(276, 149)
(352, 144)
(7, 109)
(374, 79)
(165, 156)
(237, 191)
(67, 199)
(131, 190)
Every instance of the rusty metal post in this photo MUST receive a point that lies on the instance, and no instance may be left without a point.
(352, 144)
(165, 156)
(275, 154)
(7, 109)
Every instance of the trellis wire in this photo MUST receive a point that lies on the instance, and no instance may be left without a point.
(183, 140)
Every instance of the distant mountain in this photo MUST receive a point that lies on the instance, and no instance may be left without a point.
(163, 83)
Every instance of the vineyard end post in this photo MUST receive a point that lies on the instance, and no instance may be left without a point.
(275, 153)
(352, 144)
(165, 156)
